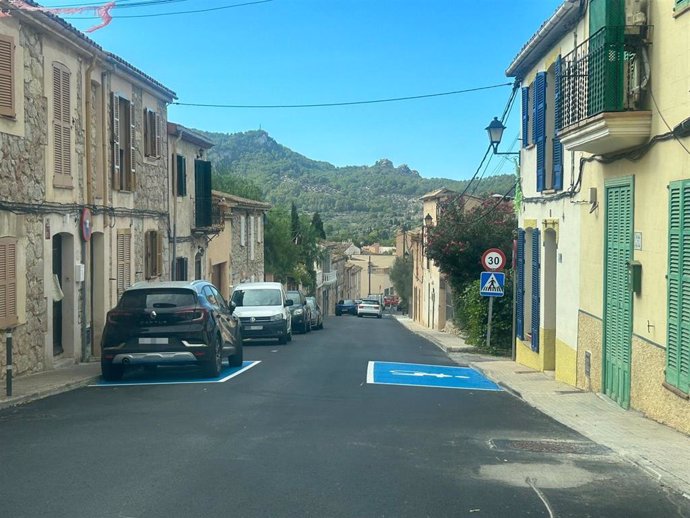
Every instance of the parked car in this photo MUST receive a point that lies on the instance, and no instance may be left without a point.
(301, 313)
(369, 307)
(316, 313)
(161, 323)
(346, 306)
(264, 311)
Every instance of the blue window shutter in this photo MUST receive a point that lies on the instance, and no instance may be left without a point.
(535, 289)
(557, 157)
(540, 127)
(525, 117)
(520, 288)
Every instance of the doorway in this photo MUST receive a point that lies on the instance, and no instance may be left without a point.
(58, 297)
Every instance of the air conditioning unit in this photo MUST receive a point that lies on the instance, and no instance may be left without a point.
(635, 13)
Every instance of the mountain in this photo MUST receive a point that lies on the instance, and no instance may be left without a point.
(362, 203)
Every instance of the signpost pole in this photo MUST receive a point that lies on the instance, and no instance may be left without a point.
(488, 327)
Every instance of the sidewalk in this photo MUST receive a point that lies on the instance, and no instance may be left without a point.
(661, 451)
(49, 383)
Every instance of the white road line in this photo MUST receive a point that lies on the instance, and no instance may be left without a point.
(370, 373)
(253, 364)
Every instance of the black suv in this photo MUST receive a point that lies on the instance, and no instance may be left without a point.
(301, 312)
(163, 323)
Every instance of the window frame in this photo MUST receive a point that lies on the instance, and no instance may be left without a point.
(152, 134)
(153, 254)
(123, 258)
(123, 157)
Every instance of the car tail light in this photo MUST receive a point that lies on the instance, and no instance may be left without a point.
(117, 316)
(196, 315)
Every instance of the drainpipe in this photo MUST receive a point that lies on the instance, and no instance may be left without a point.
(85, 245)
(173, 273)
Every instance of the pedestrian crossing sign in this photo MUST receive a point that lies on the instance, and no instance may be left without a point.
(491, 284)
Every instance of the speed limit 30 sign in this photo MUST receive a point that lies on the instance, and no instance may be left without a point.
(494, 259)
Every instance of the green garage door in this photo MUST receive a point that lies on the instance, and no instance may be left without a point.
(617, 293)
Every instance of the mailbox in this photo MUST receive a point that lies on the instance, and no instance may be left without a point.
(635, 276)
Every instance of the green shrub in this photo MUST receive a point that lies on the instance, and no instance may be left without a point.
(473, 313)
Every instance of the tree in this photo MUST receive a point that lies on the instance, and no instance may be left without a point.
(461, 236)
(401, 277)
(294, 224)
(317, 226)
(237, 185)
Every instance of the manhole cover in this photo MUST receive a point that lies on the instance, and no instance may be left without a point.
(548, 446)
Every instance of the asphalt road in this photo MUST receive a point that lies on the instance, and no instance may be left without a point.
(302, 434)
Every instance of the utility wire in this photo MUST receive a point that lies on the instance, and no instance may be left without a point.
(153, 15)
(120, 4)
(347, 103)
(666, 123)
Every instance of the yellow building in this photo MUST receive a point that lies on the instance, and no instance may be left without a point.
(619, 92)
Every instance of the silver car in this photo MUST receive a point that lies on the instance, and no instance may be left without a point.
(369, 307)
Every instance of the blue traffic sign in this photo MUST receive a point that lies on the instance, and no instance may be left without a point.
(435, 376)
(491, 284)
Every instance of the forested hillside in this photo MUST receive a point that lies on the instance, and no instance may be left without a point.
(364, 203)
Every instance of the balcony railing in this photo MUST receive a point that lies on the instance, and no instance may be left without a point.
(600, 75)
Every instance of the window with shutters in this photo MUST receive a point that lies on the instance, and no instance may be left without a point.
(153, 254)
(152, 133)
(539, 128)
(520, 286)
(181, 167)
(124, 261)
(202, 194)
(260, 229)
(62, 126)
(8, 282)
(7, 76)
(527, 135)
(678, 287)
(243, 231)
(123, 145)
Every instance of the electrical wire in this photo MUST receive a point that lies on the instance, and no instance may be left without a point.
(346, 103)
(120, 4)
(173, 13)
(666, 123)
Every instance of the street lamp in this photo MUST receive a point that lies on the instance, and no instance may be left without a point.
(495, 130)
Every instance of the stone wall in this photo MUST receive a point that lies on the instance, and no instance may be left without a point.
(243, 267)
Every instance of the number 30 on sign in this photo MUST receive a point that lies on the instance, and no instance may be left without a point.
(494, 259)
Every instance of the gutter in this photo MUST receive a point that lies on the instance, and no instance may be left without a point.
(551, 31)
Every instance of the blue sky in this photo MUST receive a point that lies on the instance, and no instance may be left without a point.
(322, 51)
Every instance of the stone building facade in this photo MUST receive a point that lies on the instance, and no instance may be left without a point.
(63, 206)
(247, 239)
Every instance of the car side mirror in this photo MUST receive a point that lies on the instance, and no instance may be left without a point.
(231, 307)
(289, 302)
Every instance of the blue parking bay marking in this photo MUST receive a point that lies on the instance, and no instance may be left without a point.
(176, 376)
(436, 376)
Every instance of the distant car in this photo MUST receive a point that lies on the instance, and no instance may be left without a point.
(263, 310)
(162, 323)
(301, 312)
(346, 306)
(316, 313)
(369, 307)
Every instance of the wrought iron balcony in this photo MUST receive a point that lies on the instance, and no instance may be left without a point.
(208, 220)
(601, 85)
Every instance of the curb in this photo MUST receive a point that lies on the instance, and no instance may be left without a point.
(41, 394)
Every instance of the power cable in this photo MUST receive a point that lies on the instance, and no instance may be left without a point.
(666, 123)
(195, 11)
(120, 4)
(347, 103)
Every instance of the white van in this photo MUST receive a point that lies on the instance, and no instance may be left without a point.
(262, 308)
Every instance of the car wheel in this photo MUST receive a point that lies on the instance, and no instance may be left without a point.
(214, 365)
(282, 340)
(289, 336)
(337, 313)
(236, 359)
(321, 325)
(112, 372)
(378, 316)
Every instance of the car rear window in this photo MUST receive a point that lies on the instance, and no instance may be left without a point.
(158, 298)
(261, 297)
(370, 302)
(294, 296)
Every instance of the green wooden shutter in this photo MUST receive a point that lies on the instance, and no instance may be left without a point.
(678, 327)
(202, 193)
